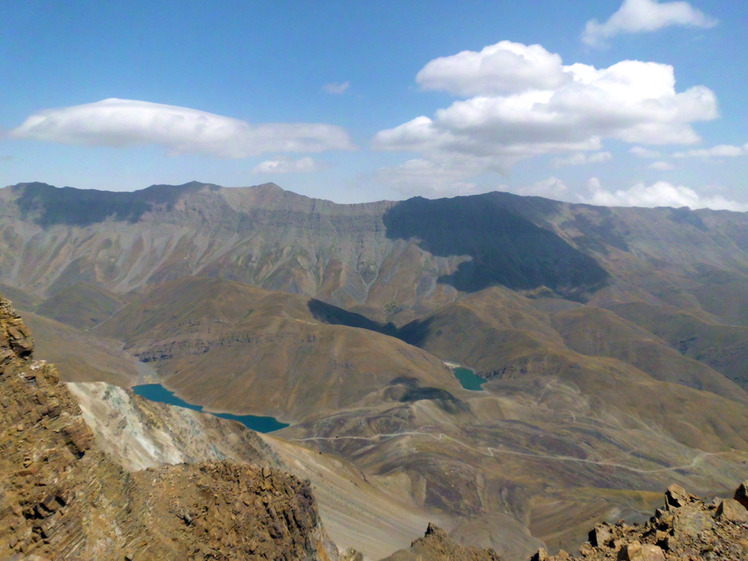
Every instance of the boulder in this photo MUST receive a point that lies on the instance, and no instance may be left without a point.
(732, 510)
(741, 494)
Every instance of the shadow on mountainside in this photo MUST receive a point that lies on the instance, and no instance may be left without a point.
(47, 205)
(327, 313)
(504, 248)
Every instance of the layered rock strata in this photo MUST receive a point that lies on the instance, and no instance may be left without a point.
(61, 497)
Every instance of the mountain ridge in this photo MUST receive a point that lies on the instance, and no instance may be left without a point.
(600, 388)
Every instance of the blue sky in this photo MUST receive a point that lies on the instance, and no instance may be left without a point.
(634, 102)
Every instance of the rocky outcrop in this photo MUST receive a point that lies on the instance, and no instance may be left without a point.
(685, 528)
(61, 497)
(436, 545)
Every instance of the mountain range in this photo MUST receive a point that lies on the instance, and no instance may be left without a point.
(613, 343)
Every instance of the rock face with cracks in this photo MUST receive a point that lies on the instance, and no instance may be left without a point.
(61, 497)
(686, 528)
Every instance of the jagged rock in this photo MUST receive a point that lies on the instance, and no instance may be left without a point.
(687, 528)
(62, 498)
(730, 509)
(636, 551)
(601, 535)
(436, 545)
(741, 494)
(675, 496)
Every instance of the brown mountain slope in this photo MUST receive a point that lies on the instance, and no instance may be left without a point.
(63, 498)
(497, 332)
(80, 356)
(81, 305)
(550, 416)
(597, 332)
(237, 348)
(722, 347)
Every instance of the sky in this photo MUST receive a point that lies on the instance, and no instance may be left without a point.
(612, 102)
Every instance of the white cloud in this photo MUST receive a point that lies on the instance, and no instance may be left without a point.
(335, 88)
(284, 164)
(552, 188)
(582, 158)
(632, 101)
(502, 68)
(122, 122)
(640, 152)
(720, 151)
(661, 193)
(638, 16)
(661, 165)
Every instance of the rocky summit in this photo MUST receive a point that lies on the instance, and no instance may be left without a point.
(686, 527)
(61, 497)
(436, 545)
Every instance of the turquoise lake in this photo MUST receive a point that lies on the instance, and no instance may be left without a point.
(158, 393)
(468, 379)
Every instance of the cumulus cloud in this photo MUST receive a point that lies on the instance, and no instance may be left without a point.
(720, 151)
(661, 165)
(337, 89)
(122, 122)
(502, 68)
(284, 164)
(638, 16)
(582, 158)
(660, 193)
(553, 108)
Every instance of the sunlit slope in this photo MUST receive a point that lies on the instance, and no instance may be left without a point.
(722, 347)
(234, 347)
(81, 305)
(82, 357)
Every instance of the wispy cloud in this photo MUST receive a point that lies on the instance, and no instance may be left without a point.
(335, 88)
(122, 122)
(661, 165)
(720, 151)
(581, 159)
(640, 152)
(639, 16)
(284, 164)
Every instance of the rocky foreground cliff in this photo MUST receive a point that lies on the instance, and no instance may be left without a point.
(61, 497)
(685, 528)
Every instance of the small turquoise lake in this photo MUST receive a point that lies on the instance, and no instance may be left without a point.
(158, 393)
(468, 379)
